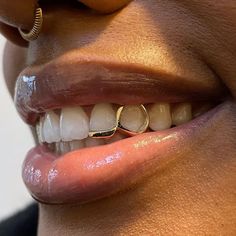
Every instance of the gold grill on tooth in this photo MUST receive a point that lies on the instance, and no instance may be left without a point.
(111, 132)
(103, 133)
(130, 132)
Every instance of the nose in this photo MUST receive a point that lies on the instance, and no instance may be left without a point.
(105, 6)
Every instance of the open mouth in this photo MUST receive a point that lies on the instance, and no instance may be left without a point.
(108, 126)
(74, 128)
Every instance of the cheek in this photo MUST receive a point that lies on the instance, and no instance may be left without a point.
(14, 60)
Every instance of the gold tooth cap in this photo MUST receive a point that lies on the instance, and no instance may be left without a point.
(130, 132)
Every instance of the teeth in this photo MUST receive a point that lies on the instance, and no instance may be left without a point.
(62, 148)
(39, 130)
(65, 147)
(133, 118)
(51, 129)
(73, 130)
(181, 113)
(103, 117)
(91, 142)
(115, 138)
(74, 124)
(75, 145)
(160, 116)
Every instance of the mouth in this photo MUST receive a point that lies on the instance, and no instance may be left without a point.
(103, 127)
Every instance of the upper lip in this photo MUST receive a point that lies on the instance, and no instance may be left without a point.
(84, 81)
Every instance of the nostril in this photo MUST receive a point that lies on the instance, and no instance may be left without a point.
(105, 6)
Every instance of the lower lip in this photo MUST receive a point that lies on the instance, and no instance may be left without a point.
(93, 173)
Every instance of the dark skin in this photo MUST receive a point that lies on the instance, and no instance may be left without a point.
(194, 195)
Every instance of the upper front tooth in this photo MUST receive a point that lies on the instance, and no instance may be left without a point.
(181, 113)
(133, 118)
(74, 124)
(51, 128)
(160, 116)
(103, 117)
(39, 130)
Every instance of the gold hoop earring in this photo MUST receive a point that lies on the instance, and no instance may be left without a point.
(35, 31)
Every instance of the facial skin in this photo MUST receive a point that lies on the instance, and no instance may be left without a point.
(195, 194)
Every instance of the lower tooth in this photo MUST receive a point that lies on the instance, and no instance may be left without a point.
(115, 138)
(62, 148)
(91, 142)
(77, 144)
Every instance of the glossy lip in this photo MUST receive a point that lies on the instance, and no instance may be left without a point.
(93, 173)
(79, 80)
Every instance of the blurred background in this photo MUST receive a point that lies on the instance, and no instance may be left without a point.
(15, 141)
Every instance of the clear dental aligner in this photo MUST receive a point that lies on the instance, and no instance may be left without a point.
(72, 128)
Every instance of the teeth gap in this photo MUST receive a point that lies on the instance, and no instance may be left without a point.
(72, 128)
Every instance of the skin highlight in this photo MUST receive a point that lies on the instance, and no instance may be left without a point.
(196, 193)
